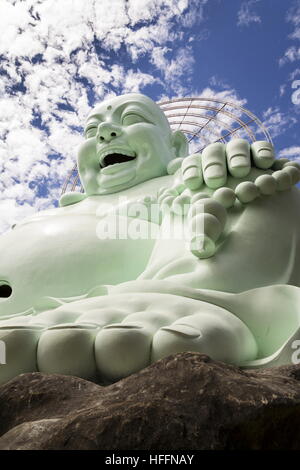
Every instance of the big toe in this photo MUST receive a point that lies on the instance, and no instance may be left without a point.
(174, 339)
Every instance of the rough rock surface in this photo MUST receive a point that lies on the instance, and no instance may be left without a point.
(184, 402)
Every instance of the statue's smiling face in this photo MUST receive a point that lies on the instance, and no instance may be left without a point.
(127, 141)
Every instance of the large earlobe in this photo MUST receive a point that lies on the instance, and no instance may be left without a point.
(180, 144)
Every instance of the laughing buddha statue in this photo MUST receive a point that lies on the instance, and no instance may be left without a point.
(76, 298)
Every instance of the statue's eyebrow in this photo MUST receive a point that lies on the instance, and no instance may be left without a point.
(94, 116)
(121, 108)
(135, 106)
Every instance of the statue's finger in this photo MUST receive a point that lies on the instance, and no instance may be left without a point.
(214, 165)
(174, 165)
(238, 157)
(279, 163)
(192, 171)
(263, 154)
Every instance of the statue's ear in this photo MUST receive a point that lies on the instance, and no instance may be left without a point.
(180, 144)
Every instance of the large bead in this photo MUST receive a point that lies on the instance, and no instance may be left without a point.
(266, 185)
(246, 192)
(225, 196)
(283, 180)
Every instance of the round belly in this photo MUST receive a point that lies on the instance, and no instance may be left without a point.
(65, 256)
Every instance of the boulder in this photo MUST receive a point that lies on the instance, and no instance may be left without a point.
(186, 401)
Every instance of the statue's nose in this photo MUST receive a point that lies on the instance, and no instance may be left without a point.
(107, 132)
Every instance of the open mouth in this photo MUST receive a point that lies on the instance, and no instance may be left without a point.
(116, 157)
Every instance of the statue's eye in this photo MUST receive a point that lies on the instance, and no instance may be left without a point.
(132, 118)
(90, 131)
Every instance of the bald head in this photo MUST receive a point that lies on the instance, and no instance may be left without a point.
(128, 141)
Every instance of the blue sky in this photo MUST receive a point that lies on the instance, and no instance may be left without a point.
(58, 58)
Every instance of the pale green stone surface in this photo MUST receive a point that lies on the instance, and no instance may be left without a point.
(88, 306)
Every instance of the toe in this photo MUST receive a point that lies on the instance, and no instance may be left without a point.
(174, 339)
(222, 336)
(68, 349)
(122, 349)
(18, 345)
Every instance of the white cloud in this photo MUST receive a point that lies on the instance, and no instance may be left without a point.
(218, 82)
(277, 122)
(294, 74)
(292, 153)
(246, 14)
(291, 55)
(60, 56)
(282, 89)
(174, 69)
(293, 16)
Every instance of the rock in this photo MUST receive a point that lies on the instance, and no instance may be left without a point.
(183, 402)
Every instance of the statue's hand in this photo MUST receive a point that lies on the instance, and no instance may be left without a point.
(201, 191)
(218, 161)
(236, 165)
